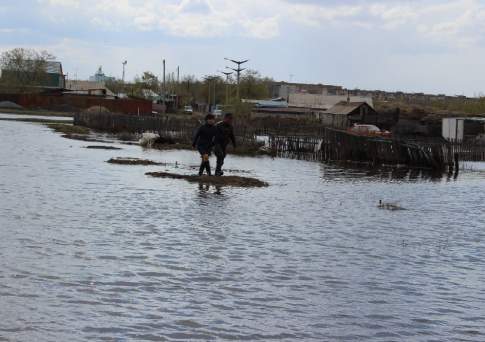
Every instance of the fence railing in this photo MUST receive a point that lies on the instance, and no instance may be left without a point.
(303, 140)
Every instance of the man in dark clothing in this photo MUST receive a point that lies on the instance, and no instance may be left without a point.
(203, 141)
(224, 135)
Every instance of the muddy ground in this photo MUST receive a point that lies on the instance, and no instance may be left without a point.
(102, 147)
(234, 181)
(133, 161)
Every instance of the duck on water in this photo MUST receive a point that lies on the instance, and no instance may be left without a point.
(389, 206)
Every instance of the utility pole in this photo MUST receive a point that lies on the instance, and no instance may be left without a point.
(124, 67)
(177, 87)
(238, 73)
(209, 79)
(163, 83)
(215, 84)
(228, 74)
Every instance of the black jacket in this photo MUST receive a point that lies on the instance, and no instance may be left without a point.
(204, 137)
(224, 134)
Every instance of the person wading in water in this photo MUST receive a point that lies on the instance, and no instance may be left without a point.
(224, 135)
(203, 141)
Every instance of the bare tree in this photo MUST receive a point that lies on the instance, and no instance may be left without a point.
(23, 69)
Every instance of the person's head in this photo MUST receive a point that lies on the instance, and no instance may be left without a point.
(210, 119)
(228, 118)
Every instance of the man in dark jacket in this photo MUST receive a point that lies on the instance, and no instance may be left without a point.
(203, 141)
(224, 135)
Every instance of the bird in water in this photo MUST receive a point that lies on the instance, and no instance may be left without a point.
(389, 206)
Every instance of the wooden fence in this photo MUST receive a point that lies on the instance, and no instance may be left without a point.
(336, 145)
(298, 140)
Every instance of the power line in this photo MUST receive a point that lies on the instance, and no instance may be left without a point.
(238, 71)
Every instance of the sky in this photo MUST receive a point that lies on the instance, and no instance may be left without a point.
(414, 46)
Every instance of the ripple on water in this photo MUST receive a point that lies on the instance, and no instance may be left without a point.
(90, 251)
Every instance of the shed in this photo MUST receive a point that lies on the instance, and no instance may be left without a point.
(345, 114)
(460, 129)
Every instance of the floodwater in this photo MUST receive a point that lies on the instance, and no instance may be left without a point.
(34, 117)
(91, 251)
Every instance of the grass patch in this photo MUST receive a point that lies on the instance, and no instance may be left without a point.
(68, 129)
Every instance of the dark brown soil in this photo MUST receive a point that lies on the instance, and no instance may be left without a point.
(132, 161)
(236, 181)
(81, 137)
(101, 147)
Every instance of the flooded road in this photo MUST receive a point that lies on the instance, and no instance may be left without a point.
(94, 251)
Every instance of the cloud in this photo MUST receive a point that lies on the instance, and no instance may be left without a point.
(344, 40)
(266, 19)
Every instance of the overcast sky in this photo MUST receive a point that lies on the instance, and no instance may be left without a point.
(419, 46)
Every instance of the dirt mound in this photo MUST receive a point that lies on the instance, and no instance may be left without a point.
(132, 161)
(101, 147)
(236, 181)
(10, 105)
(97, 109)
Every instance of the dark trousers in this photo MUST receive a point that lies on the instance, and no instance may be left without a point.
(220, 152)
(204, 164)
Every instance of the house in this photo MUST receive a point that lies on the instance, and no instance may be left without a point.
(324, 101)
(88, 88)
(273, 103)
(54, 77)
(345, 114)
(288, 113)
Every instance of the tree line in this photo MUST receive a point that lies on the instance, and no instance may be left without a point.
(25, 70)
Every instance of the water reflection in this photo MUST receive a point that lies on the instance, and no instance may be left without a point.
(349, 171)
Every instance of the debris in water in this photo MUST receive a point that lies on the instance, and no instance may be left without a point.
(235, 181)
(132, 161)
(389, 206)
(102, 147)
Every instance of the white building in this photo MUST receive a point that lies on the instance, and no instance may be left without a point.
(100, 76)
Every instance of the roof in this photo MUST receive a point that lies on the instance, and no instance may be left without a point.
(290, 110)
(53, 67)
(75, 85)
(467, 118)
(345, 108)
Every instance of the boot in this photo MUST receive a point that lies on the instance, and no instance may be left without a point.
(201, 168)
(208, 168)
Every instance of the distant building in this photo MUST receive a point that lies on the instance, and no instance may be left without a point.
(344, 114)
(284, 89)
(100, 76)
